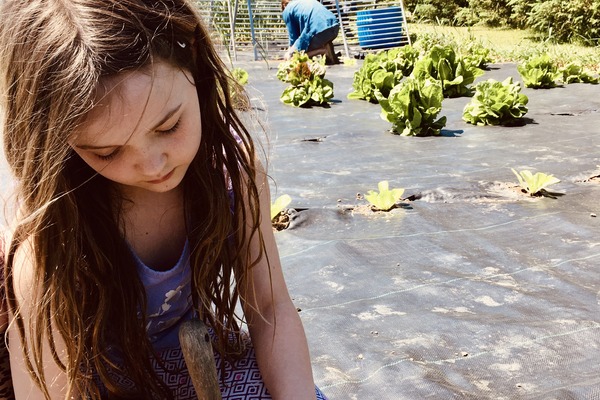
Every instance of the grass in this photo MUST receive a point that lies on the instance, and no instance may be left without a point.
(513, 45)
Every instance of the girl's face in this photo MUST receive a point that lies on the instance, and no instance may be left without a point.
(145, 130)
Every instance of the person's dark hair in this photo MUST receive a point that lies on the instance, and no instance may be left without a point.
(53, 54)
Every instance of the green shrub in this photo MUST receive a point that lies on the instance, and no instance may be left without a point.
(561, 20)
(434, 11)
(520, 10)
(567, 21)
(492, 13)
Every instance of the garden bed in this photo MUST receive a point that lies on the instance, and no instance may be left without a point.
(468, 289)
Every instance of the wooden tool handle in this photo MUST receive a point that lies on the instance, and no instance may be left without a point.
(198, 354)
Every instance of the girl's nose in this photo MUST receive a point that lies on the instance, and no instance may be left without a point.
(151, 162)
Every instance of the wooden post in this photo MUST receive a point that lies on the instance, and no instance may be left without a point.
(198, 353)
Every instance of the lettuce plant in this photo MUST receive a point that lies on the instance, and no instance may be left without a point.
(454, 73)
(240, 75)
(496, 103)
(308, 85)
(534, 184)
(575, 73)
(381, 72)
(239, 98)
(539, 72)
(476, 54)
(412, 107)
(386, 199)
(279, 205)
(371, 81)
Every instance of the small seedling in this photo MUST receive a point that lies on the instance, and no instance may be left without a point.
(238, 96)
(386, 199)
(240, 75)
(279, 205)
(349, 62)
(534, 184)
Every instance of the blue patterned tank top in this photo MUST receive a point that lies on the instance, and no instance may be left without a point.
(169, 300)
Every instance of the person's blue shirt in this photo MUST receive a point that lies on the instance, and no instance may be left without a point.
(304, 19)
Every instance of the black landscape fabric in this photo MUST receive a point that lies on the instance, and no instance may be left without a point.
(470, 289)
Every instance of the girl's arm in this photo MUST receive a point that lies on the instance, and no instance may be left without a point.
(276, 330)
(24, 386)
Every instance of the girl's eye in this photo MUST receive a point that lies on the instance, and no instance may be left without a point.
(108, 157)
(172, 129)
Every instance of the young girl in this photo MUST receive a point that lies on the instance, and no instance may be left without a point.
(141, 205)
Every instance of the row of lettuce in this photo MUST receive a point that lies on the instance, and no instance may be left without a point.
(410, 83)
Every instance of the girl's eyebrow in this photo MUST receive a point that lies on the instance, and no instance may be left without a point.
(112, 146)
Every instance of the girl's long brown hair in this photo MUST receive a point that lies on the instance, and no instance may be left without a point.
(53, 53)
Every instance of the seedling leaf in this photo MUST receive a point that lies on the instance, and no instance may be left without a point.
(386, 199)
(279, 205)
(533, 184)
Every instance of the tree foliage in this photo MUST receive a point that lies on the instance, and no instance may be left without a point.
(559, 20)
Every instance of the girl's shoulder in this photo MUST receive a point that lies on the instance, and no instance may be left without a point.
(22, 268)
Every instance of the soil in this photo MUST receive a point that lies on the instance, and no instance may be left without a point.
(281, 220)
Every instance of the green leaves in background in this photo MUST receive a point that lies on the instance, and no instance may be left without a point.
(496, 103)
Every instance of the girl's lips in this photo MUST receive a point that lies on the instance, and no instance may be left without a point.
(164, 178)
